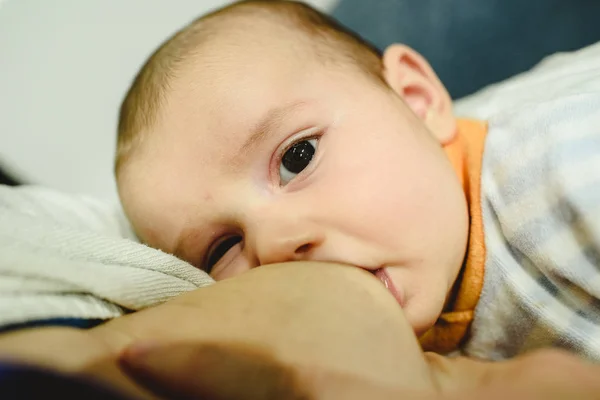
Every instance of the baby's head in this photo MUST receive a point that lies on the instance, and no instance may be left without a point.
(265, 132)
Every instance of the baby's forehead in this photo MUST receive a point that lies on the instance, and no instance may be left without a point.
(247, 29)
(234, 51)
(227, 75)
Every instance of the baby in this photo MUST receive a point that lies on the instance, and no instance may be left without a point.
(265, 132)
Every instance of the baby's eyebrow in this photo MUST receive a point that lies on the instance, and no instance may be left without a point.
(267, 124)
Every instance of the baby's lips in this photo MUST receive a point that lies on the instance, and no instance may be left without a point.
(384, 277)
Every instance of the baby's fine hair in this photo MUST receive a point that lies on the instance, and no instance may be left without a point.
(329, 41)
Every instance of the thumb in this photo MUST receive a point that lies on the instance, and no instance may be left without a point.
(210, 371)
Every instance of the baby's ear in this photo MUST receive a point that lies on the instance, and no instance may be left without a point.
(413, 79)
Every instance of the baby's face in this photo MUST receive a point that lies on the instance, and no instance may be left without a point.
(258, 160)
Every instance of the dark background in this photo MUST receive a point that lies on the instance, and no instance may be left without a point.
(6, 179)
(473, 43)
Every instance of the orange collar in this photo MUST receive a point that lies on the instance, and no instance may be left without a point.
(465, 153)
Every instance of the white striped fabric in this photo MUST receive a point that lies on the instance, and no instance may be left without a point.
(64, 256)
(541, 213)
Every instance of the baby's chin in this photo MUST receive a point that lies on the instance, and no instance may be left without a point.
(421, 315)
(421, 327)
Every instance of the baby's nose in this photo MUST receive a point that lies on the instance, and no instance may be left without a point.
(287, 242)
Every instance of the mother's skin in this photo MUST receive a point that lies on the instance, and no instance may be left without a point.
(321, 319)
(322, 331)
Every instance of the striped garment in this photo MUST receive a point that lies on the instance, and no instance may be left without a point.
(541, 212)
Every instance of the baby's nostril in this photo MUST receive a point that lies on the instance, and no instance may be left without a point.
(303, 249)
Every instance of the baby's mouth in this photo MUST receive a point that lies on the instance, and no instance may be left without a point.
(384, 277)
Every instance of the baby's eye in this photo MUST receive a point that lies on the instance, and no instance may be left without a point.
(295, 159)
(219, 252)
